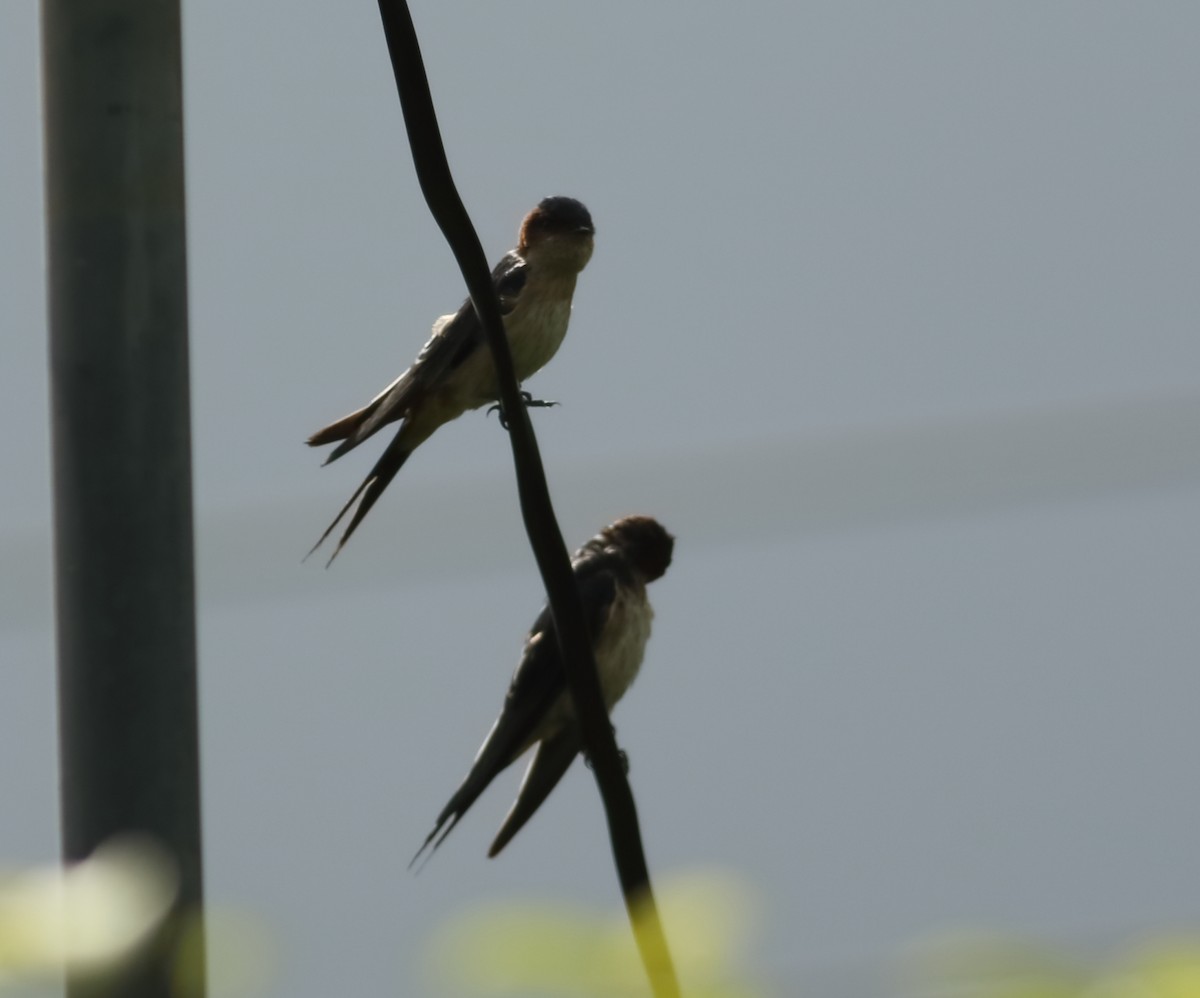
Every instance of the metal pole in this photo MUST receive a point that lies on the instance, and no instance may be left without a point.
(122, 454)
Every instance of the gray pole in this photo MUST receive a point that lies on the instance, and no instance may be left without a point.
(122, 453)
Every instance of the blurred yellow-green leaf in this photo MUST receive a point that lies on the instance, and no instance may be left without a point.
(990, 965)
(544, 948)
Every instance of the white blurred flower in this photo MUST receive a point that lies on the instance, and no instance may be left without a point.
(88, 915)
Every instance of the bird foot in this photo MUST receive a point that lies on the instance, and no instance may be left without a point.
(587, 761)
(530, 403)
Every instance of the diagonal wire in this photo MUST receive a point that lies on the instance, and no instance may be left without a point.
(433, 173)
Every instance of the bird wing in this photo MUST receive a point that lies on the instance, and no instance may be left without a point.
(454, 338)
(536, 686)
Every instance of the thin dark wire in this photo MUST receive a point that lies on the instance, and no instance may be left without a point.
(433, 173)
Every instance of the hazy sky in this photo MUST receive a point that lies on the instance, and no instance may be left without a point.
(892, 319)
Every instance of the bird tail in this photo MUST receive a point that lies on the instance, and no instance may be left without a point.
(380, 476)
(339, 429)
(362, 423)
(495, 755)
(497, 752)
(550, 761)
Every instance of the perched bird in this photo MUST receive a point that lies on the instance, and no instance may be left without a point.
(611, 571)
(454, 372)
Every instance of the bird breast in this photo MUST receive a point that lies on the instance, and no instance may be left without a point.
(622, 643)
(618, 652)
(536, 328)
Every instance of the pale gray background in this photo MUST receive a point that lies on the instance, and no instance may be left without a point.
(892, 319)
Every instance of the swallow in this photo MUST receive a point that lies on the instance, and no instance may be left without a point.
(534, 283)
(611, 571)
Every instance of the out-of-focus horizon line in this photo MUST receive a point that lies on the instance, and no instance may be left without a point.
(817, 482)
